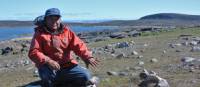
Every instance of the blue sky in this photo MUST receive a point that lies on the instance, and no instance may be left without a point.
(95, 9)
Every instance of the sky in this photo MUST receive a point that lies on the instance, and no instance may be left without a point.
(95, 9)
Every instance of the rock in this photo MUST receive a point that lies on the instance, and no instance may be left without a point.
(191, 69)
(36, 73)
(132, 42)
(134, 53)
(187, 59)
(109, 48)
(6, 50)
(185, 38)
(140, 56)
(178, 44)
(142, 51)
(123, 74)
(174, 45)
(7, 65)
(164, 51)
(145, 45)
(97, 39)
(195, 49)
(26, 62)
(24, 50)
(91, 85)
(29, 68)
(162, 82)
(95, 81)
(185, 43)
(112, 73)
(193, 43)
(194, 81)
(136, 68)
(113, 55)
(171, 45)
(122, 55)
(141, 63)
(178, 50)
(118, 35)
(154, 60)
(122, 45)
(151, 78)
(196, 38)
(24, 45)
(134, 33)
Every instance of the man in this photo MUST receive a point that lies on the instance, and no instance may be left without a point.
(51, 48)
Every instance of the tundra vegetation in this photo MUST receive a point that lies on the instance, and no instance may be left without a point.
(169, 53)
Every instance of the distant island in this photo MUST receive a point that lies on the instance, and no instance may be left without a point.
(160, 19)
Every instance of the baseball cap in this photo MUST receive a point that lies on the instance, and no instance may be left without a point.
(52, 11)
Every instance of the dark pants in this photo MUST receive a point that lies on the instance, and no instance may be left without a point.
(75, 75)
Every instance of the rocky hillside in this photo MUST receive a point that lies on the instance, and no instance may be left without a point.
(128, 59)
(13, 23)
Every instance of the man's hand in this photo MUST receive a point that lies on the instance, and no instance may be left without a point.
(93, 62)
(53, 64)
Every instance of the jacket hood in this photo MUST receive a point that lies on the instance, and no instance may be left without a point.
(45, 29)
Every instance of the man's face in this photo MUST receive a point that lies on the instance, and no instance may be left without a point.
(53, 22)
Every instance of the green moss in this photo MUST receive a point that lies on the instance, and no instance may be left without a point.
(115, 81)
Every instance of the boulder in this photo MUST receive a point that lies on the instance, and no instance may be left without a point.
(140, 56)
(118, 35)
(122, 55)
(187, 59)
(140, 63)
(123, 74)
(149, 78)
(6, 50)
(185, 43)
(122, 45)
(195, 49)
(154, 60)
(134, 53)
(134, 33)
(112, 73)
(193, 43)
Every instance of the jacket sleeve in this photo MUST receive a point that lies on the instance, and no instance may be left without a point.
(35, 52)
(79, 47)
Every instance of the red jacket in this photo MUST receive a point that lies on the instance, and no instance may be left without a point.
(57, 47)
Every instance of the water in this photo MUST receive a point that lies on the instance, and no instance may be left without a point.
(15, 32)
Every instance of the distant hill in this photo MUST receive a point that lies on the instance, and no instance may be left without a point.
(172, 16)
(161, 19)
(13, 23)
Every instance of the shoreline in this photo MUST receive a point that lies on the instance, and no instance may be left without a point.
(17, 38)
(22, 38)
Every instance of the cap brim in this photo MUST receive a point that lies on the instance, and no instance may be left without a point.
(52, 15)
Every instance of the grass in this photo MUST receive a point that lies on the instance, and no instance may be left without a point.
(158, 42)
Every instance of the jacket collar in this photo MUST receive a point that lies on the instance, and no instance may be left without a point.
(45, 29)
